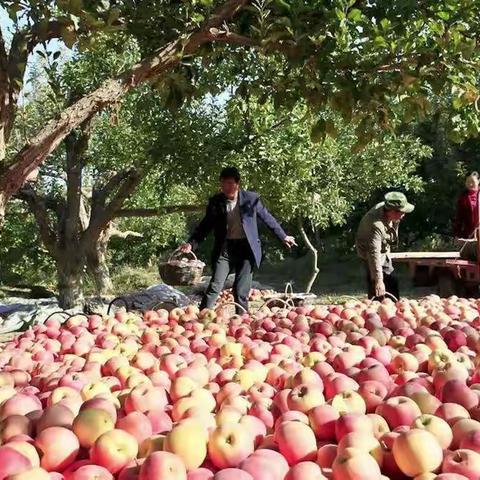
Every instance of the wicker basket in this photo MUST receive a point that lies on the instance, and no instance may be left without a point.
(179, 272)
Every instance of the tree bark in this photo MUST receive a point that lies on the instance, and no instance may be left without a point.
(70, 270)
(47, 140)
(97, 267)
(158, 212)
(314, 251)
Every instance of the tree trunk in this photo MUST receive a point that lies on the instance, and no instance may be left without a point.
(97, 267)
(70, 268)
(47, 140)
(314, 251)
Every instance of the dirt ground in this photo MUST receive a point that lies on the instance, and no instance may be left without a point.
(338, 277)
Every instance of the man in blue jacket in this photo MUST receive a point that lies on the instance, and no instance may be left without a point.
(232, 215)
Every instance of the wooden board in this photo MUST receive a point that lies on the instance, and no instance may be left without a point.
(420, 255)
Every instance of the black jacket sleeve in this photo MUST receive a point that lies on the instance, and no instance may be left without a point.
(204, 227)
(269, 220)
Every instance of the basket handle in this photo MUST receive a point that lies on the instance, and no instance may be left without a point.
(288, 289)
(223, 305)
(393, 297)
(178, 253)
(270, 300)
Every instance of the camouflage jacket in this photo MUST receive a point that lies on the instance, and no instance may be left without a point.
(374, 238)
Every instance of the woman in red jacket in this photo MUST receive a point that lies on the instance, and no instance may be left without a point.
(466, 218)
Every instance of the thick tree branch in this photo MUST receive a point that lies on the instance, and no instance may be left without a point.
(51, 203)
(156, 212)
(3, 58)
(38, 206)
(115, 232)
(314, 251)
(76, 147)
(226, 36)
(103, 214)
(48, 138)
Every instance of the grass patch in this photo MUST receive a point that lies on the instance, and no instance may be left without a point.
(129, 279)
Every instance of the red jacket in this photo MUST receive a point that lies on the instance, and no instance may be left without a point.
(466, 218)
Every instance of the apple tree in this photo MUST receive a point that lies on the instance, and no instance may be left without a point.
(374, 64)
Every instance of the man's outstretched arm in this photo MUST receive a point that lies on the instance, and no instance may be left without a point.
(271, 222)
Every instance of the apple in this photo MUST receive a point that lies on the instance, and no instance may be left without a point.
(348, 401)
(266, 464)
(58, 448)
(27, 449)
(296, 442)
(188, 440)
(137, 424)
(456, 391)
(452, 412)
(114, 450)
(471, 441)
(230, 474)
(364, 442)
(164, 466)
(322, 419)
(326, 455)
(304, 397)
(427, 402)
(89, 424)
(417, 451)
(461, 428)
(398, 411)
(462, 462)
(437, 426)
(305, 470)
(12, 462)
(106, 404)
(86, 471)
(229, 445)
(379, 425)
(55, 416)
(36, 473)
(373, 393)
(14, 425)
(352, 422)
(355, 464)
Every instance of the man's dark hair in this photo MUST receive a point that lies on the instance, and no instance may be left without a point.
(230, 172)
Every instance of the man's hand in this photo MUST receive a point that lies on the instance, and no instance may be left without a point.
(289, 241)
(185, 248)
(380, 288)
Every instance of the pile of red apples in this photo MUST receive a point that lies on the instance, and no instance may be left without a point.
(255, 295)
(361, 391)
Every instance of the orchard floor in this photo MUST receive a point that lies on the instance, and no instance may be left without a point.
(338, 277)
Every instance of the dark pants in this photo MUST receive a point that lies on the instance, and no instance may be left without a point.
(390, 281)
(236, 257)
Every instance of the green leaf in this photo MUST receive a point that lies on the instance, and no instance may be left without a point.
(380, 41)
(443, 15)
(355, 15)
(385, 23)
(198, 17)
(340, 14)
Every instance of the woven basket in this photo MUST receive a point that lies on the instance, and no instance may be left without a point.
(179, 272)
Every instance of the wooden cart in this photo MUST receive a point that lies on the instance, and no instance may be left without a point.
(451, 274)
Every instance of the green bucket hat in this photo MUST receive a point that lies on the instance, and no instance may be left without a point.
(398, 201)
